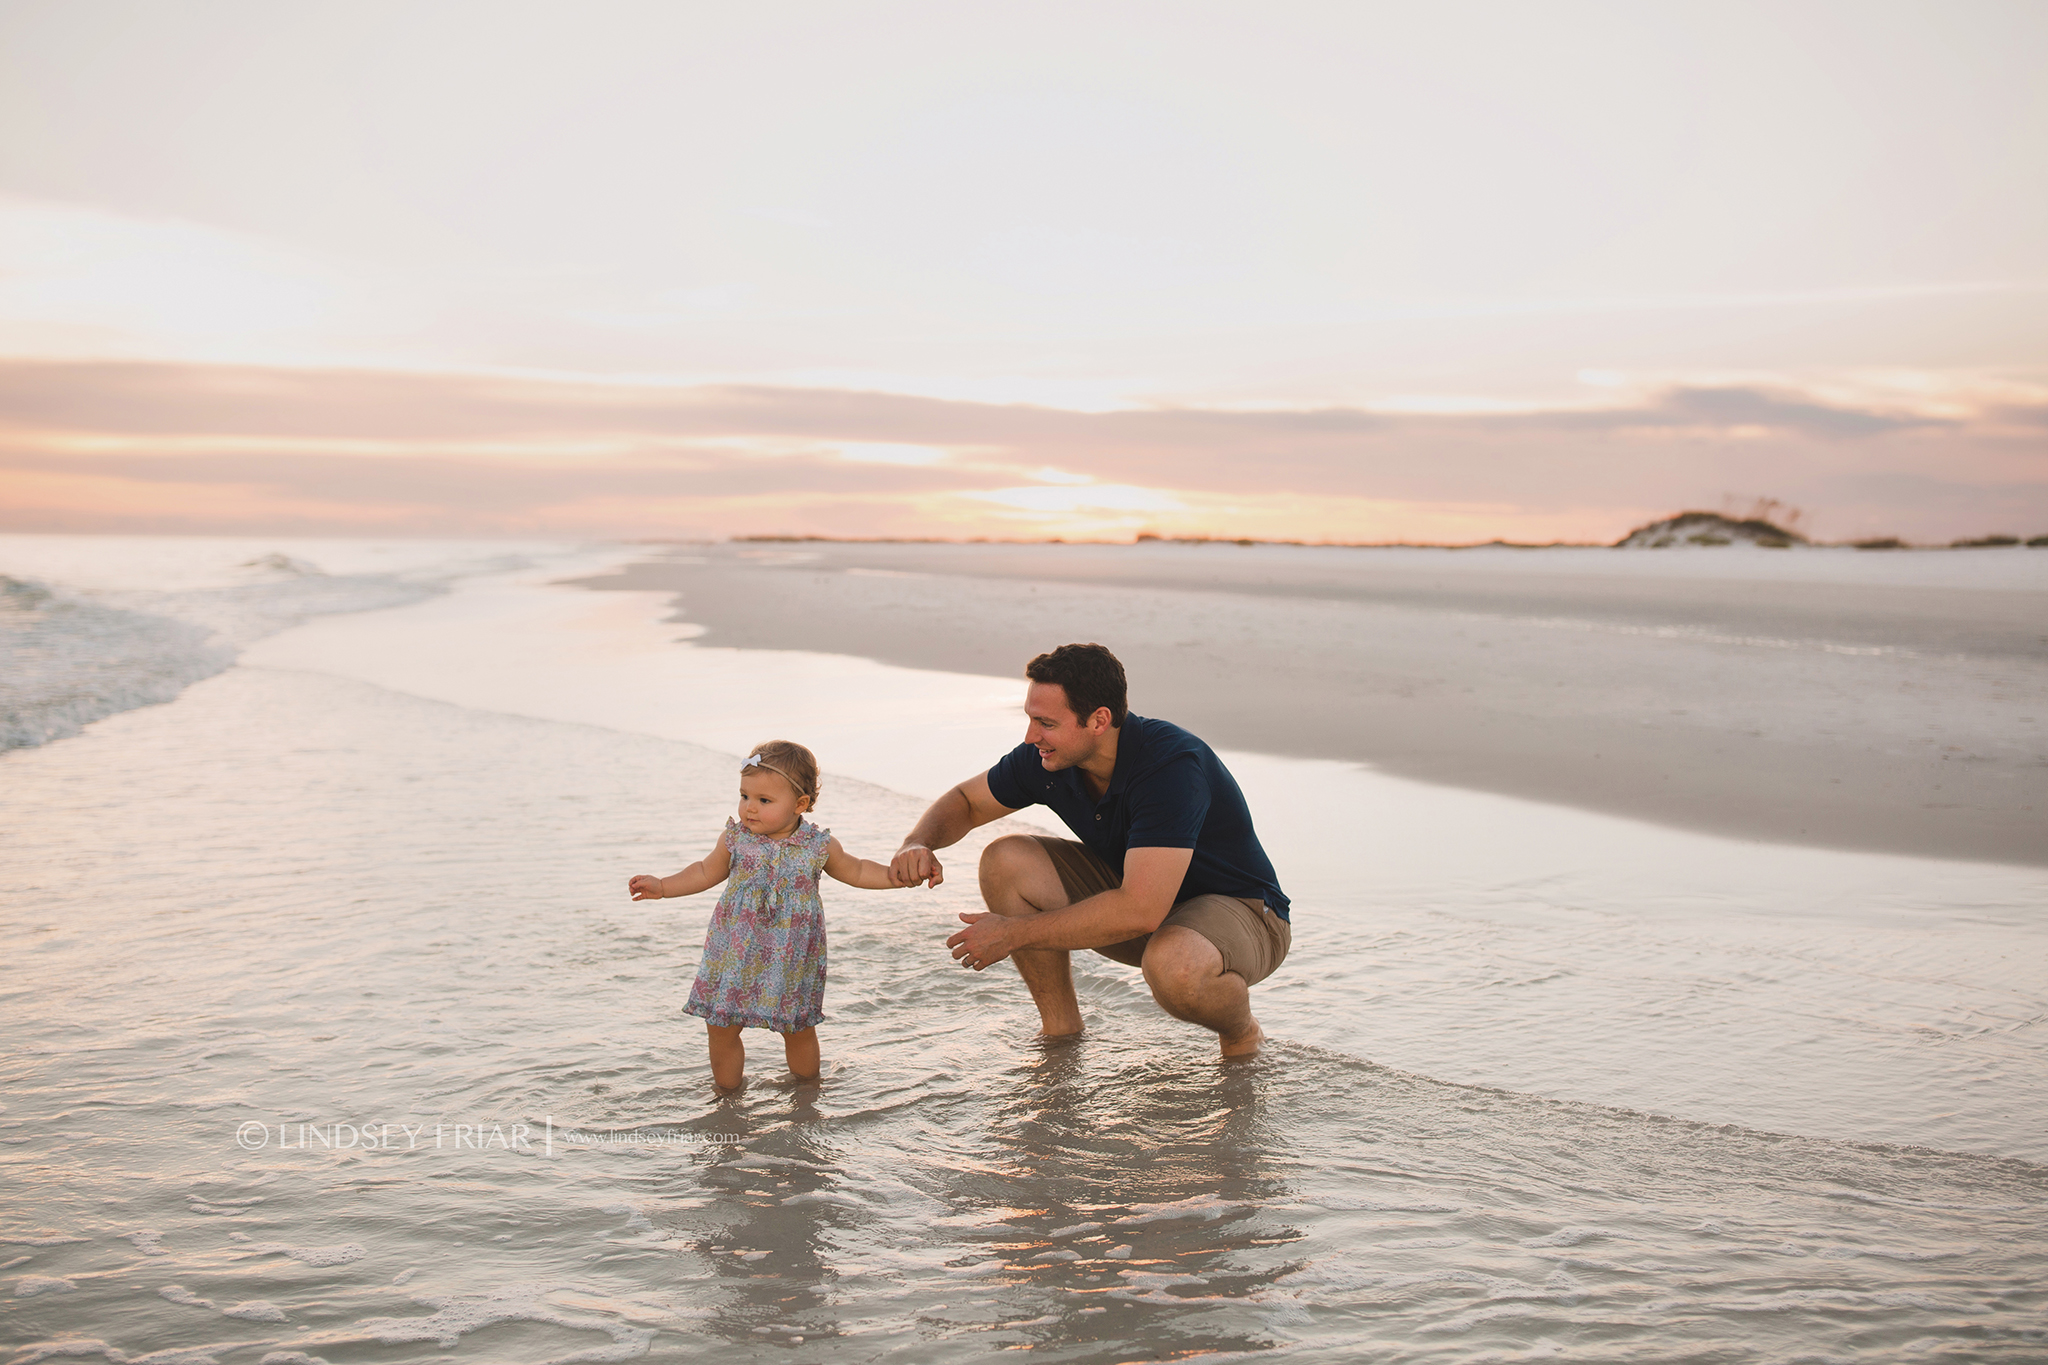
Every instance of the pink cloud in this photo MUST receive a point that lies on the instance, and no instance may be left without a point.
(484, 453)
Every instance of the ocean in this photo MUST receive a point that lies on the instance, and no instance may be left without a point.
(332, 1034)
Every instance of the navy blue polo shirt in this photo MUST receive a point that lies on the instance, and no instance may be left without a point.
(1169, 790)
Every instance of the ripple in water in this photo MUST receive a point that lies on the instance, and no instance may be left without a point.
(298, 903)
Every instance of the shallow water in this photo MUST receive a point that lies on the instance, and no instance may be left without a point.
(296, 900)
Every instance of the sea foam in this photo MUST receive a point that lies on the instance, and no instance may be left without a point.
(66, 662)
(146, 620)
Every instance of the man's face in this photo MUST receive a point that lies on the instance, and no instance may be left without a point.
(1050, 724)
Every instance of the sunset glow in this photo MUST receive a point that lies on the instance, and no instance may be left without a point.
(1322, 273)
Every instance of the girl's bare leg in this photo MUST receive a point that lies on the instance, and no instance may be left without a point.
(728, 1055)
(802, 1051)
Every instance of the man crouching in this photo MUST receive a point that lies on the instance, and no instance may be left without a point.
(1166, 873)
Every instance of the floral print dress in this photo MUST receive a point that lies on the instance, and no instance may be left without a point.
(764, 957)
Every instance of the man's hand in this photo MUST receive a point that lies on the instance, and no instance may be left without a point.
(966, 807)
(915, 864)
(983, 943)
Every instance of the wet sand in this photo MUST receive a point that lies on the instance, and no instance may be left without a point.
(1887, 703)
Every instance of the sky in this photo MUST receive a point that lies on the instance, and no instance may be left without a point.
(1353, 272)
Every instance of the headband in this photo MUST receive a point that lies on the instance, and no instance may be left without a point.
(756, 761)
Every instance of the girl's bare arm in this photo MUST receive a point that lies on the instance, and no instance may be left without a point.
(708, 871)
(865, 873)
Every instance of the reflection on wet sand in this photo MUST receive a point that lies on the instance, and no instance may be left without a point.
(1120, 1196)
(774, 1176)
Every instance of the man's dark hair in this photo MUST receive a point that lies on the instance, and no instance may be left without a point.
(1091, 676)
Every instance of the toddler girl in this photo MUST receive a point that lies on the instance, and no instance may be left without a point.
(764, 957)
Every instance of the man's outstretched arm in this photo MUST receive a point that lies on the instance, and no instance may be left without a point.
(967, 807)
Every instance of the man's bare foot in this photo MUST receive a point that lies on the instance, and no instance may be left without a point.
(1245, 1044)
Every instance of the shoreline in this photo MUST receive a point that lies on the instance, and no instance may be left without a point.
(1874, 716)
(1873, 545)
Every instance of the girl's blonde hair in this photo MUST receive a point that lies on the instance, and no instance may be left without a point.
(792, 762)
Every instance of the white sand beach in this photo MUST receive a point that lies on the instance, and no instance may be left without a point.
(1889, 702)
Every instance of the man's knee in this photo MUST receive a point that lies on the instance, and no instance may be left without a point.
(1180, 962)
(1017, 876)
(1010, 857)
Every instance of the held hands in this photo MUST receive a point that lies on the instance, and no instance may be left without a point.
(916, 864)
(983, 943)
(646, 888)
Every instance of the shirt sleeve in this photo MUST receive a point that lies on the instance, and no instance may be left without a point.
(1168, 806)
(1009, 782)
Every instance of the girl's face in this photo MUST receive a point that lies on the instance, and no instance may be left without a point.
(769, 805)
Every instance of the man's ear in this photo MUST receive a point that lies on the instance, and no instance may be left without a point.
(1100, 722)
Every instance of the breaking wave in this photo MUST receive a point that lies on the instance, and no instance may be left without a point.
(69, 656)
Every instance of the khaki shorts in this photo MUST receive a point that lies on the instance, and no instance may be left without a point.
(1252, 939)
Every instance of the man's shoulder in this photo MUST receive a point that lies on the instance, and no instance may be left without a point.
(1163, 747)
(1162, 740)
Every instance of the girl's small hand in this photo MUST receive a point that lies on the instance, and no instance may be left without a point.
(914, 865)
(645, 888)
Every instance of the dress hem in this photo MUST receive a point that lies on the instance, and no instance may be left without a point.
(726, 1020)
